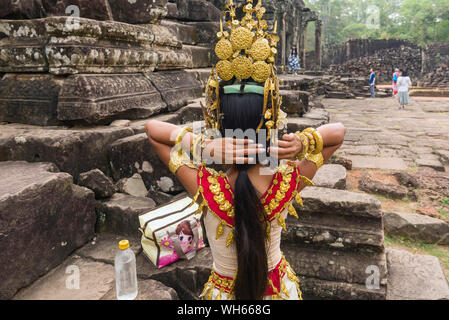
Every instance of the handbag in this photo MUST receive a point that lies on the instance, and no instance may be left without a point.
(172, 232)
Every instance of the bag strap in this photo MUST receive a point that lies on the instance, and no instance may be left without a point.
(177, 245)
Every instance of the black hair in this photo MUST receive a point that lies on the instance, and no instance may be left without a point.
(244, 111)
(404, 73)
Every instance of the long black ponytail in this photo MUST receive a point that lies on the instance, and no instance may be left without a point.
(244, 111)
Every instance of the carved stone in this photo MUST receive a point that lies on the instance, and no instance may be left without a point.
(138, 11)
(75, 150)
(100, 98)
(176, 87)
(30, 98)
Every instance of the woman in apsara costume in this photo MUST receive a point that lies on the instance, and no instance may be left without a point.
(244, 209)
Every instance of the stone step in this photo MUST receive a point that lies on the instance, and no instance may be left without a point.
(417, 227)
(331, 176)
(94, 266)
(295, 102)
(44, 218)
(337, 220)
(62, 146)
(120, 214)
(415, 277)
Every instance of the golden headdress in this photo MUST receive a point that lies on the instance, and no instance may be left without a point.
(246, 52)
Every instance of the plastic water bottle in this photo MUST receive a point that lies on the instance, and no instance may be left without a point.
(125, 272)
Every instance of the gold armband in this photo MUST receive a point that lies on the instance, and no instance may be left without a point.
(182, 133)
(178, 158)
(318, 140)
(316, 158)
(305, 146)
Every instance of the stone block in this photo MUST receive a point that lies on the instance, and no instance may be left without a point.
(133, 186)
(86, 45)
(415, 277)
(338, 266)
(187, 277)
(176, 87)
(317, 289)
(206, 31)
(187, 34)
(30, 9)
(30, 98)
(101, 98)
(331, 176)
(104, 246)
(376, 187)
(96, 280)
(22, 46)
(128, 156)
(292, 103)
(61, 146)
(98, 182)
(44, 217)
(337, 220)
(197, 10)
(119, 214)
(201, 56)
(138, 11)
(339, 202)
(63, 45)
(97, 10)
(417, 226)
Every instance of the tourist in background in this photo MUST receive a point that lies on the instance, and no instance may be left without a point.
(404, 83)
(293, 60)
(372, 83)
(396, 75)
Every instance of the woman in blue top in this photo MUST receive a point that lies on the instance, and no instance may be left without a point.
(372, 83)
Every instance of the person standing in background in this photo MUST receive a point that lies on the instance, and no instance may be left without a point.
(395, 81)
(372, 83)
(293, 60)
(404, 83)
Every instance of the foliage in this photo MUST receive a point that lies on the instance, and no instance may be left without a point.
(420, 21)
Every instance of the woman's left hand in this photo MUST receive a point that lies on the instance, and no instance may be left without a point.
(288, 148)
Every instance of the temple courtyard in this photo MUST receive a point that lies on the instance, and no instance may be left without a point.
(399, 156)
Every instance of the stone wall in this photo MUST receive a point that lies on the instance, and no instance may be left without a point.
(428, 66)
(357, 48)
(435, 66)
(383, 62)
(95, 68)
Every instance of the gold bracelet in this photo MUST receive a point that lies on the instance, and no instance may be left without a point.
(177, 157)
(316, 158)
(318, 140)
(305, 146)
(177, 161)
(312, 146)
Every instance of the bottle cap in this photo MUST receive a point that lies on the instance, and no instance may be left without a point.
(123, 245)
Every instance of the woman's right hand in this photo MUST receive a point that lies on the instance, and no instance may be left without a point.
(231, 151)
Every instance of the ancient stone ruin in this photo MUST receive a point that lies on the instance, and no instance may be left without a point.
(76, 168)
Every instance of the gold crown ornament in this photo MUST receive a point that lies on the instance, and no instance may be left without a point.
(246, 51)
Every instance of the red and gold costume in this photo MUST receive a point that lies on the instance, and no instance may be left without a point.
(218, 197)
